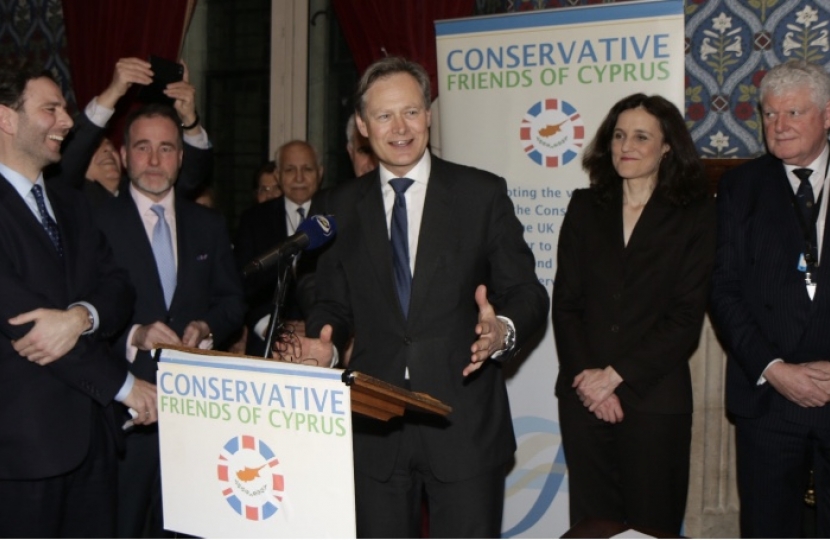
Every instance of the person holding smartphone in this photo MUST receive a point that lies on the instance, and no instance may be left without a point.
(90, 129)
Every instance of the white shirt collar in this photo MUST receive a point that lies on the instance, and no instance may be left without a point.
(818, 166)
(419, 173)
(20, 183)
(143, 202)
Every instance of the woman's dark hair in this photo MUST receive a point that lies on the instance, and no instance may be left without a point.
(680, 176)
(267, 168)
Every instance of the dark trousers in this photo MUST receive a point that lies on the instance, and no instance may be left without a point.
(139, 486)
(635, 471)
(470, 508)
(79, 504)
(774, 457)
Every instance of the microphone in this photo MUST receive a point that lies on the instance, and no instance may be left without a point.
(312, 233)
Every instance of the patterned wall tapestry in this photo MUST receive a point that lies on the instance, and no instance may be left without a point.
(34, 29)
(730, 45)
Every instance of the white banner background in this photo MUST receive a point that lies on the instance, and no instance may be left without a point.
(260, 450)
(521, 95)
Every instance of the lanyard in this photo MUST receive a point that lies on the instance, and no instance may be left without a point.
(808, 228)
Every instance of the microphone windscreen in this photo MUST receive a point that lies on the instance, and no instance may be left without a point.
(319, 229)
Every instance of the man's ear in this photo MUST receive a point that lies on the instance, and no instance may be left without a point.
(361, 126)
(8, 120)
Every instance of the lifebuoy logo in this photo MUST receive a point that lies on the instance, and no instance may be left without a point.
(249, 477)
(552, 133)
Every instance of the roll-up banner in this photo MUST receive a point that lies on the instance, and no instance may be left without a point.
(521, 95)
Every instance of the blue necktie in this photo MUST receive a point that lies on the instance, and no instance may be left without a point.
(301, 211)
(163, 253)
(400, 242)
(46, 220)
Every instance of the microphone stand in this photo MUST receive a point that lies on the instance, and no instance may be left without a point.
(284, 266)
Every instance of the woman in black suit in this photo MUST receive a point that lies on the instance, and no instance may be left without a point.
(635, 254)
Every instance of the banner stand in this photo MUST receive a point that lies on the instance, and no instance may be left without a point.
(254, 448)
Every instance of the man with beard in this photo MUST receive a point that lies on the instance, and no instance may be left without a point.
(179, 259)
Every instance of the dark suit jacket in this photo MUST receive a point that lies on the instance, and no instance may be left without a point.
(469, 236)
(83, 141)
(208, 286)
(638, 308)
(46, 412)
(261, 228)
(760, 304)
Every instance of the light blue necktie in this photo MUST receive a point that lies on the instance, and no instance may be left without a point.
(46, 220)
(399, 236)
(163, 253)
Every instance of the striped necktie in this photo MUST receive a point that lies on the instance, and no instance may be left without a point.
(46, 220)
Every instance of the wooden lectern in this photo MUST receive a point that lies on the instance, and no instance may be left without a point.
(381, 400)
(370, 396)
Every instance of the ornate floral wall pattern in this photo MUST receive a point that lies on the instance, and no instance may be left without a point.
(34, 29)
(730, 45)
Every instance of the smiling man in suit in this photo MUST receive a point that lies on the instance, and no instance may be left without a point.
(299, 175)
(427, 254)
(771, 306)
(62, 296)
(179, 259)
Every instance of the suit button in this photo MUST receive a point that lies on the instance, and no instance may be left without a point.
(407, 341)
(615, 328)
(616, 296)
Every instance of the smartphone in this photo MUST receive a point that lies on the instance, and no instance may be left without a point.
(164, 72)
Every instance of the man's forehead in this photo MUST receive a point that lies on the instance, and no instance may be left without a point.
(147, 127)
(396, 86)
(43, 89)
(795, 92)
(298, 153)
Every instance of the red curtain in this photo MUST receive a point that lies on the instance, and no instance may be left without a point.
(378, 28)
(99, 32)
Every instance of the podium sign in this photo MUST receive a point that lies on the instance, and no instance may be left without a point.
(254, 449)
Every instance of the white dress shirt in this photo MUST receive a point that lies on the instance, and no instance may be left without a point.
(149, 220)
(415, 198)
(292, 217)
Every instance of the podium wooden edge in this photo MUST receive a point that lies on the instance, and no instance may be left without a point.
(381, 400)
(369, 396)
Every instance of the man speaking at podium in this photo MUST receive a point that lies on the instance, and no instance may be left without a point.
(431, 273)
